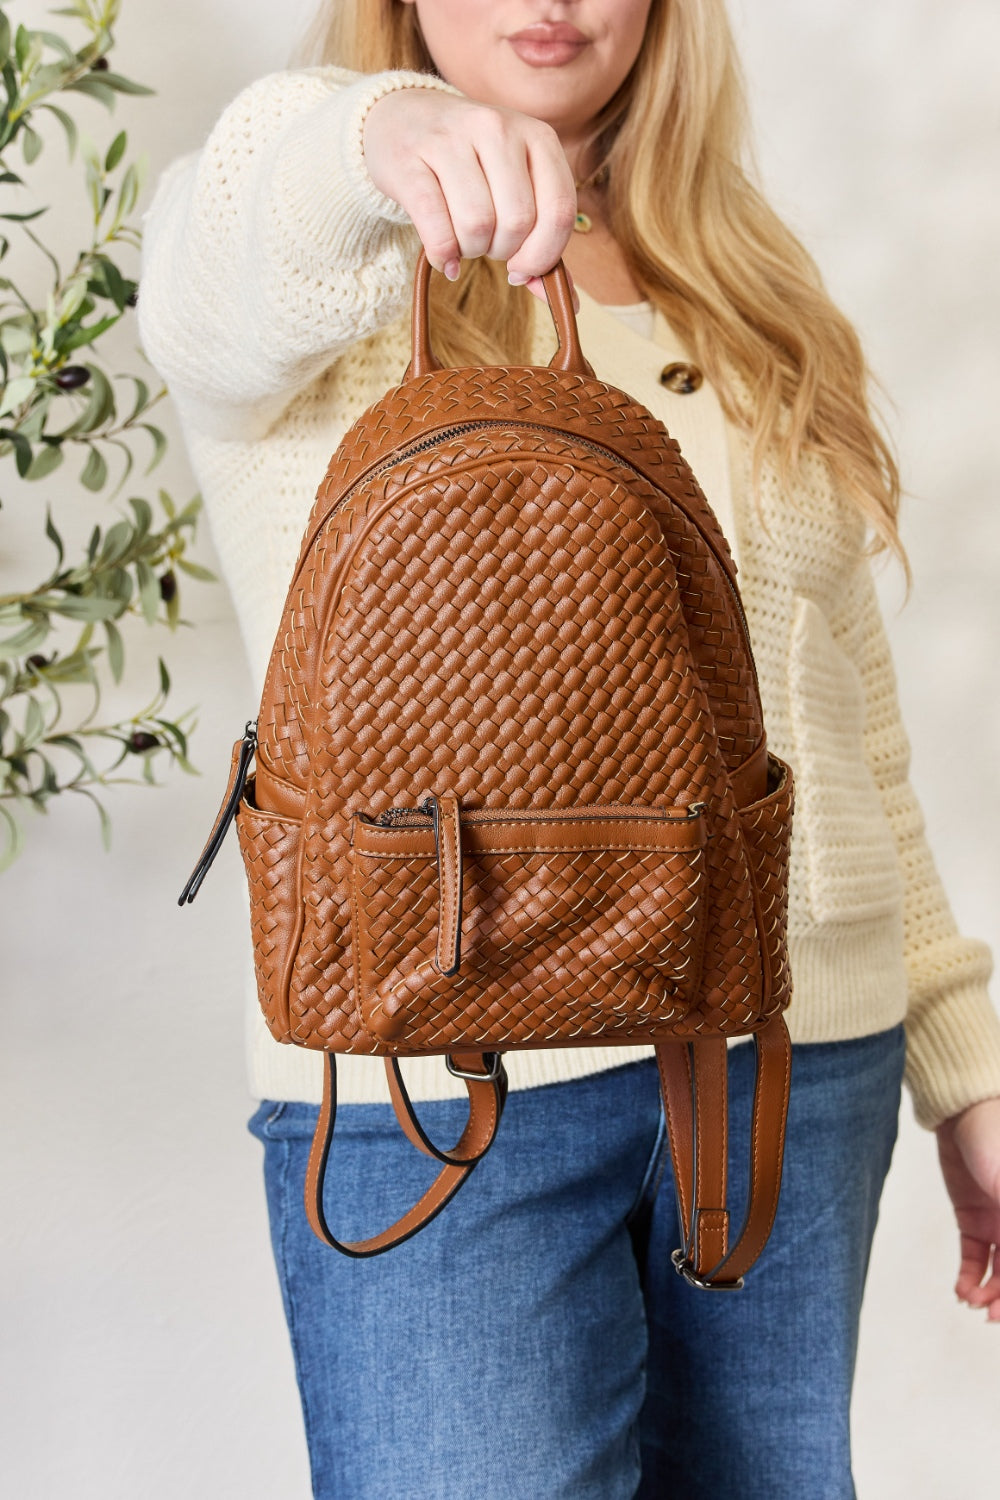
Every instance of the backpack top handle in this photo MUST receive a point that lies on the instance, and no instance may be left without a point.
(569, 355)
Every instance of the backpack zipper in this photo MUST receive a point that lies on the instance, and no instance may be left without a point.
(226, 816)
(414, 817)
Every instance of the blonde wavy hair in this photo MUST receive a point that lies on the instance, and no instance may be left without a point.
(699, 240)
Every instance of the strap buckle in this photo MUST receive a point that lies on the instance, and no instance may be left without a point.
(493, 1061)
(684, 1268)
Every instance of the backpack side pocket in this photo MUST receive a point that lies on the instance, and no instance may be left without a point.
(767, 836)
(269, 843)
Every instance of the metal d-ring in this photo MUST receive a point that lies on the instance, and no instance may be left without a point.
(495, 1068)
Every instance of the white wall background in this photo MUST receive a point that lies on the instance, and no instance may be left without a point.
(143, 1340)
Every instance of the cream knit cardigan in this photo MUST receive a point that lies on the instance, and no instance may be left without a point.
(274, 300)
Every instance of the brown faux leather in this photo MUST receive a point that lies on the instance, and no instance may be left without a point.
(693, 1081)
(448, 850)
(512, 783)
(486, 1101)
(639, 871)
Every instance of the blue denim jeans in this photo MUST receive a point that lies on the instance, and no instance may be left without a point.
(535, 1341)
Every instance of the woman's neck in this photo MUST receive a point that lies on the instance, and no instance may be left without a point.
(597, 264)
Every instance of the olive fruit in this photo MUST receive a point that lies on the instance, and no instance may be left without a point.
(141, 740)
(71, 377)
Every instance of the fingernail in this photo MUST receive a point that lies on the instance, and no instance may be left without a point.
(451, 269)
(517, 278)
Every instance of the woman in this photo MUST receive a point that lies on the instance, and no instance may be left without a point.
(534, 1341)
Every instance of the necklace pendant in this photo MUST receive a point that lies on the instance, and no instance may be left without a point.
(583, 223)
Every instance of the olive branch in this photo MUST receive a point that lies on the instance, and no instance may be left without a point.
(67, 634)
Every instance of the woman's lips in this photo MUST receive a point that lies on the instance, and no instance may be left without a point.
(539, 53)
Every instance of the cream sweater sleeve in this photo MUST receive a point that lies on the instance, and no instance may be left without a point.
(952, 1030)
(270, 250)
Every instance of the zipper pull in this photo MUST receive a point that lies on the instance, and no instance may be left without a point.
(243, 752)
(394, 816)
(447, 820)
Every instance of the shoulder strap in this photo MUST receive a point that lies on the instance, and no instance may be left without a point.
(693, 1079)
(486, 1080)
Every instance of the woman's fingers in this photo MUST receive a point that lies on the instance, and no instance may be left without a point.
(466, 211)
(469, 197)
(428, 209)
(978, 1281)
(518, 212)
(555, 198)
(502, 154)
(969, 1152)
(474, 180)
(509, 189)
(974, 1265)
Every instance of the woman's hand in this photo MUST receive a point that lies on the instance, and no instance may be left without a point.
(475, 180)
(969, 1151)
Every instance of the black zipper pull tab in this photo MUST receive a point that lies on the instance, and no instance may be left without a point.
(243, 752)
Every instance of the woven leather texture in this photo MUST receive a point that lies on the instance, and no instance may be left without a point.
(535, 614)
(767, 830)
(269, 846)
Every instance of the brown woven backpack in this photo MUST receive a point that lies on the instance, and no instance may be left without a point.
(512, 787)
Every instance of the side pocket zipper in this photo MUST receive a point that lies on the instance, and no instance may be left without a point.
(238, 774)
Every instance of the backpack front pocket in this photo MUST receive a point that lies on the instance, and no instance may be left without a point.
(496, 928)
